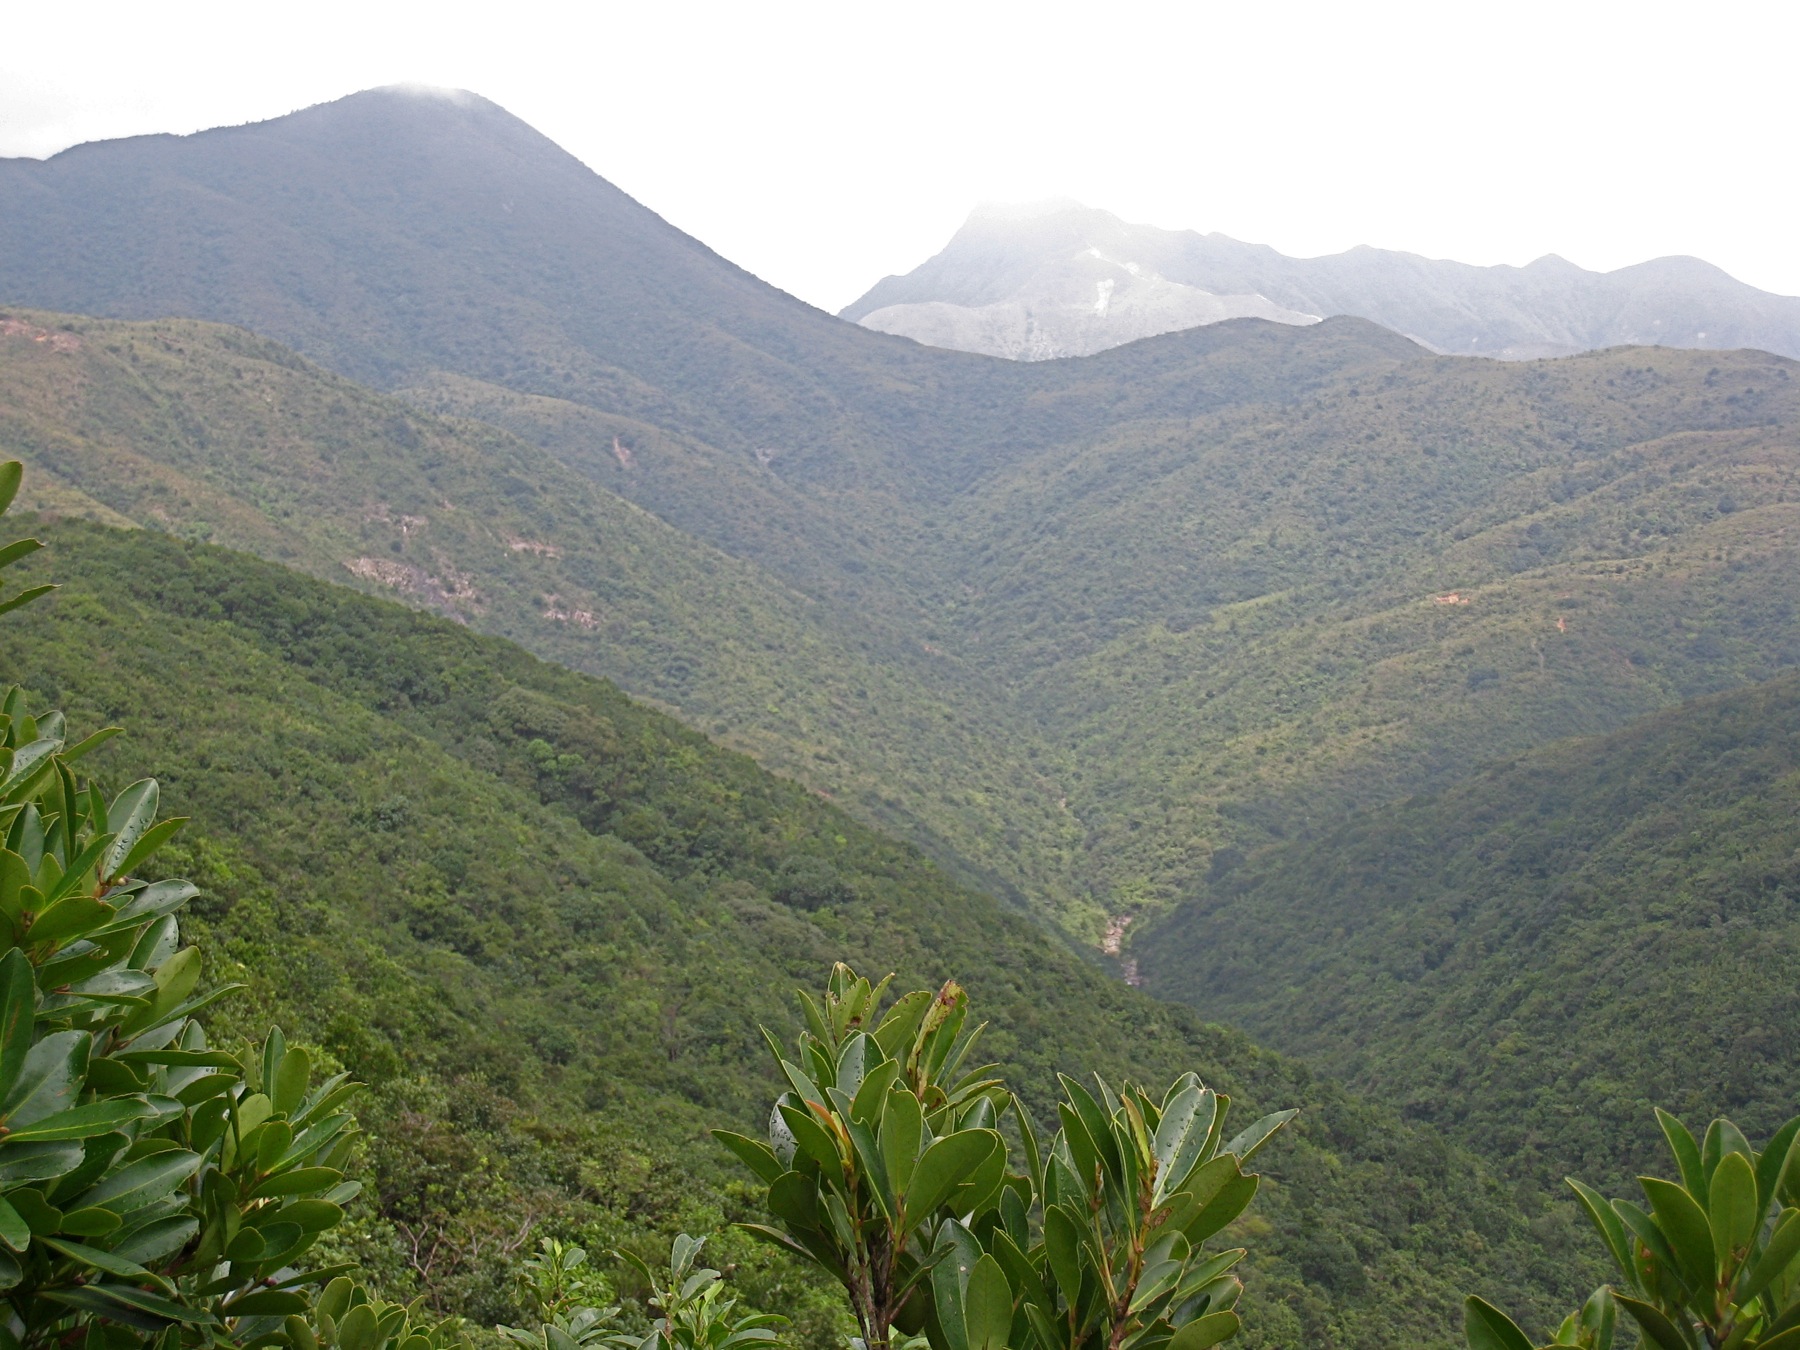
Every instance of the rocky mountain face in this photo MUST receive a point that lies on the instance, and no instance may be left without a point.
(1061, 279)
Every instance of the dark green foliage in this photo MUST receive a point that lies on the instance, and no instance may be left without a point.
(1532, 959)
(1710, 1263)
(551, 1016)
(153, 1189)
(885, 1166)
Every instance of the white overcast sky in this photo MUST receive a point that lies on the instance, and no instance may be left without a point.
(824, 145)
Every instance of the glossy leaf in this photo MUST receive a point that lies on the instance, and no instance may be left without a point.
(1487, 1328)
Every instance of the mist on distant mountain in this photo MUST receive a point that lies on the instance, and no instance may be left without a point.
(1058, 278)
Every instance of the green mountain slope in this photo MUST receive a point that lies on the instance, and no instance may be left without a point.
(1242, 624)
(1175, 599)
(211, 433)
(547, 919)
(1534, 957)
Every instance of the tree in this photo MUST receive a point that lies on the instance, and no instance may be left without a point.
(885, 1165)
(1708, 1266)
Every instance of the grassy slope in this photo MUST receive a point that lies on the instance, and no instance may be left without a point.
(546, 919)
(1535, 957)
(212, 433)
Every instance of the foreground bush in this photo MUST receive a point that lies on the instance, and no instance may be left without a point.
(1708, 1266)
(886, 1165)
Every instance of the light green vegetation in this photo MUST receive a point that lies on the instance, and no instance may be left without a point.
(543, 923)
(212, 434)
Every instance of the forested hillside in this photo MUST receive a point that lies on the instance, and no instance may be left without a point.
(213, 434)
(1532, 959)
(544, 921)
(1082, 627)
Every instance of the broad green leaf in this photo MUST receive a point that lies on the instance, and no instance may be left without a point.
(18, 1001)
(86, 745)
(141, 1183)
(1173, 1132)
(22, 548)
(28, 763)
(35, 1210)
(870, 1165)
(814, 1139)
(176, 977)
(1205, 1332)
(312, 1216)
(108, 1299)
(37, 1162)
(1097, 1124)
(1604, 1218)
(131, 814)
(957, 1258)
(1658, 1330)
(291, 1079)
(70, 917)
(871, 1096)
(852, 1058)
(1201, 1188)
(1487, 1328)
(153, 839)
(265, 1303)
(12, 473)
(987, 1306)
(1233, 1198)
(1773, 1162)
(1686, 1151)
(902, 1128)
(14, 1231)
(1733, 1214)
(943, 1167)
(48, 1081)
(110, 1262)
(91, 1222)
(794, 1199)
(1687, 1229)
(813, 1249)
(1062, 1245)
(24, 597)
(1252, 1139)
(357, 1329)
(153, 1242)
(1783, 1246)
(1157, 1280)
(83, 1122)
(298, 1182)
(753, 1153)
(1644, 1229)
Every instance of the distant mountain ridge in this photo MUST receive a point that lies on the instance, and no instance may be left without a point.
(1047, 280)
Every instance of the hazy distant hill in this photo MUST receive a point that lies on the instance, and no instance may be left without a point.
(1062, 279)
